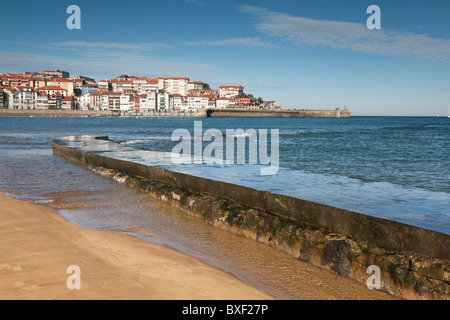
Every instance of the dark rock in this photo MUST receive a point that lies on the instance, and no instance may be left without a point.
(398, 271)
(250, 218)
(305, 251)
(420, 288)
(270, 224)
(335, 254)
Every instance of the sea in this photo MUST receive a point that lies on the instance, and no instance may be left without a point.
(396, 168)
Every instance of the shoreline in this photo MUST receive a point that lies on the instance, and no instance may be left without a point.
(39, 245)
(53, 113)
(205, 113)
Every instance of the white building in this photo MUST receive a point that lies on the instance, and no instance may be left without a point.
(125, 102)
(11, 98)
(197, 102)
(179, 102)
(151, 101)
(110, 101)
(27, 98)
(150, 85)
(222, 103)
(230, 91)
(196, 85)
(173, 85)
(84, 101)
(42, 101)
(163, 101)
(104, 85)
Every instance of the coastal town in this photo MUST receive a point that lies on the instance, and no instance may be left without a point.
(56, 90)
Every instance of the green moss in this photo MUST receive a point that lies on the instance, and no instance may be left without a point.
(277, 228)
(234, 218)
(352, 255)
(229, 206)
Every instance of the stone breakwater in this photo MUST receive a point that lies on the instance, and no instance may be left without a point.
(405, 273)
(407, 276)
(218, 113)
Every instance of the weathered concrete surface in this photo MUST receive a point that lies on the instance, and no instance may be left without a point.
(278, 113)
(414, 261)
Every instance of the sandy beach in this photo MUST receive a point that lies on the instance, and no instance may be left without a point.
(37, 246)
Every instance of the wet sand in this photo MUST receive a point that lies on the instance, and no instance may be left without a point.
(37, 246)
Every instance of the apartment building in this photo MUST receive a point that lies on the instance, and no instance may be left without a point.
(111, 101)
(173, 85)
(151, 101)
(11, 98)
(179, 102)
(27, 98)
(68, 103)
(55, 73)
(230, 91)
(2, 98)
(41, 100)
(125, 101)
(196, 85)
(53, 90)
(96, 100)
(89, 87)
(55, 101)
(104, 85)
(222, 103)
(197, 102)
(162, 101)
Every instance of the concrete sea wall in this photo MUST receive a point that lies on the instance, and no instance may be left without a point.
(414, 262)
(214, 113)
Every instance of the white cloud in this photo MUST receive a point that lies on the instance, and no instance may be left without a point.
(100, 48)
(140, 46)
(100, 66)
(235, 42)
(302, 31)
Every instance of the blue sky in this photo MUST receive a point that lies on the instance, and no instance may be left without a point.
(303, 54)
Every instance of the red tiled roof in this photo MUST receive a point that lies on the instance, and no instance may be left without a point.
(51, 88)
(11, 89)
(173, 78)
(21, 88)
(231, 87)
